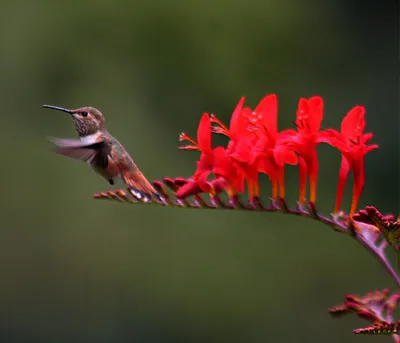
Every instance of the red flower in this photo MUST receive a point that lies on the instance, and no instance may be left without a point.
(270, 152)
(240, 145)
(310, 113)
(256, 145)
(351, 142)
(211, 160)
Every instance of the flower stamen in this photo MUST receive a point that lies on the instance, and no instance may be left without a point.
(184, 137)
(222, 129)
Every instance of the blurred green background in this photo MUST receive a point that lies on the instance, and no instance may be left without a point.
(79, 270)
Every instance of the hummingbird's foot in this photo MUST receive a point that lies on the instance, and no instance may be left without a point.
(111, 182)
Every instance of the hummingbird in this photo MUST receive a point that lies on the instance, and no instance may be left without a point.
(102, 151)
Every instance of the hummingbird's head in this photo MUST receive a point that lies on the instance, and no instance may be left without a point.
(88, 120)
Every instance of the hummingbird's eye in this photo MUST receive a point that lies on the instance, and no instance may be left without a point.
(84, 114)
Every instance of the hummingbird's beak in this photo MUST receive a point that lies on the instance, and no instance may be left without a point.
(58, 108)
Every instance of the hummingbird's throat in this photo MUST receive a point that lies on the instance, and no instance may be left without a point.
(86, 127)
(91, 138)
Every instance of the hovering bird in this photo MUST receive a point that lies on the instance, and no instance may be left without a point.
(102, 151)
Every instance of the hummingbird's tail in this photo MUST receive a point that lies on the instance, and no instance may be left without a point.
(140, 186)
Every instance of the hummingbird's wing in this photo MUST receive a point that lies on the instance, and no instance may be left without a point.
(74, 148)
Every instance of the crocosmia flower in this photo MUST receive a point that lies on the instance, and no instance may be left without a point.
(351, 142)
(211, 160)
(256, 146)
(309, 116)
(270, 152)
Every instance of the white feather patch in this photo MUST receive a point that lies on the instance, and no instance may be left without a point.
(90, 139)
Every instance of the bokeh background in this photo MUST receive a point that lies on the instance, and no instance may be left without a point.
(74, 269)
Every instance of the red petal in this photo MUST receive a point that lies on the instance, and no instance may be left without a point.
(222, 163)
(331, 137)
(259, 150)
(279, 155)
(204, 133)
(265, 166)
(247, 111)
(205, 162)
(371, 147)
(241, 150)
(256, 156)
(236, 124)
(343, 174)
(290, 138)
(367, 137)
(203, 182)
(316, 115)
(302, 109)
(353, 124)
(239, 157)
(286, 134)
(268, 107)
(291, 158)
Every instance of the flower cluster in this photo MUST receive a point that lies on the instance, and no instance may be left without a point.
(386, 224)
(373, 306)
(256, 146)
(376, 307)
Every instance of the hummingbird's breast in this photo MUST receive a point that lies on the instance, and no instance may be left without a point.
(110, 172)
(114, 162)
